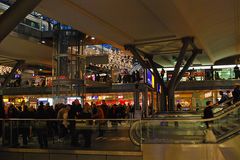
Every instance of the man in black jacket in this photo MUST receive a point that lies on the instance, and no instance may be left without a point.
(42, 129)
(208, 113)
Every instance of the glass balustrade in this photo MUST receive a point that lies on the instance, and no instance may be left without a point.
(117, 134)
(79, 134)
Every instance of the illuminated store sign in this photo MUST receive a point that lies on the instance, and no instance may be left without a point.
(150, 78)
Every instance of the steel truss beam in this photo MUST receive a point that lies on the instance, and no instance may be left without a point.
(136, 54)
(14, 15)
(190, 60)
(177, 75)
(185, 41)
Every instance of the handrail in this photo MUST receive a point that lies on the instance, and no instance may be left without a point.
(145, 119)
(196, 120)
(187, 115)
(56, 119)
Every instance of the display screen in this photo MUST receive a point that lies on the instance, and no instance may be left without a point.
(150, 78)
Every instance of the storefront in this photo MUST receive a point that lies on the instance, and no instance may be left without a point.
(30, 101)
(196, 100)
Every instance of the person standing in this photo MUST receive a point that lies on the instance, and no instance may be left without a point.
(208, 113)
(236, 72)
(162, 73)
(87, 130)
(42, 128)
(236, 94)
(13, 112)
(24, 127)
(211, 73)
(224, 97)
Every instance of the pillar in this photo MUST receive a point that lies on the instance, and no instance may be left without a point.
(145, 102)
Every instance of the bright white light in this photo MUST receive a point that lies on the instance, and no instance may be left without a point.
(92, 38)
(43, 42)
(223, 66)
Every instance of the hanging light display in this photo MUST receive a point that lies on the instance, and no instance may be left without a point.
(117, 59)
(5, 70)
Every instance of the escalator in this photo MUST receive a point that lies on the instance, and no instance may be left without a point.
(217, 110)
(182, 130)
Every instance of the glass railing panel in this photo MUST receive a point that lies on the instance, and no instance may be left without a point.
(227, 125)
(163, 130)
(172, 132)
(112, 135)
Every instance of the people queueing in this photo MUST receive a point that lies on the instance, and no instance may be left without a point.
(208, 113)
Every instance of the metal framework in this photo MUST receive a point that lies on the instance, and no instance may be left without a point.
(182, 46)
(69, 65)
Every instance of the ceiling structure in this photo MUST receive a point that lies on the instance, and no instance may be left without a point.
(215, 24)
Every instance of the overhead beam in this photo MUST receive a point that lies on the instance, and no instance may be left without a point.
(146, 42)
(14, 15)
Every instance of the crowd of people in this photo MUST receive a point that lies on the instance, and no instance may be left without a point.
(60, 121)
(129, 78)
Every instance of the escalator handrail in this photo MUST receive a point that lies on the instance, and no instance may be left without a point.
(237, 106)
(189, 116)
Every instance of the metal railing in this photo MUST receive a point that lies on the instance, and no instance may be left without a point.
(187, 130)
(90, 134)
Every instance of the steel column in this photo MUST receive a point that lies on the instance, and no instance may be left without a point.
(195, 52)
(14, 15)
(134, 51)
(171, 99)
(185, 41)
(156, 73)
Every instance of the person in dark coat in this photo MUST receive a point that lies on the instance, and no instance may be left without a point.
(42, 128)
(13, 112)
(87, 131)
(75, 110)
(224, 97)
(2, 116)
(208, 113)
(236, 72)
(24, 127)
(236, 94)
